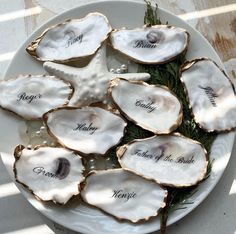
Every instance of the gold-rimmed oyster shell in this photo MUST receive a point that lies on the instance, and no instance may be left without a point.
(211, 95)
(88, 130)
(171, 160)
(50, 174)
(155, 44)
(30, 96)
(124, 195)
(152, 107)
(72, 39)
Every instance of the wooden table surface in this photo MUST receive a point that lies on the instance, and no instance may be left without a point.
(215, 19)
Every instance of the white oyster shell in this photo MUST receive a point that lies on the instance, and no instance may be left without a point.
(156, 44)
(171, 160)
(72, 39)
(123, 194)
(152, 107)
(51, 174)
(87, 130)
(211, 95)
(31, 96)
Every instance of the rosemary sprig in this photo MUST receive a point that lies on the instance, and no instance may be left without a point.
(150, 17)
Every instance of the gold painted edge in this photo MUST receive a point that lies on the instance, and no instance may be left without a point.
(114, 83)
(32, 47)
(140, 221)
(153, 26)
(184, 67)
(122, 149)
(17, 154)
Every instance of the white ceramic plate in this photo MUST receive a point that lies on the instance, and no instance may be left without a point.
(79, 217)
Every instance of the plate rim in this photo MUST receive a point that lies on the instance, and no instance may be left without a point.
(94, 2)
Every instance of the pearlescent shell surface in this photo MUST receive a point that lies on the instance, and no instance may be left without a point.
(31, 96)
(171, 160)
(156, 44)
(211, 95)
(124, 194)
(72, 39)
(52, 174)
(154, 108)
(87, 130)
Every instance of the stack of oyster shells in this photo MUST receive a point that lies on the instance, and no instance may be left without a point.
(138, 189)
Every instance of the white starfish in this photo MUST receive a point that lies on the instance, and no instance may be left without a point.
(91, 82)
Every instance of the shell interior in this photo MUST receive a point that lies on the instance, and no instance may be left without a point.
(31, 96)
(151, 107)
(171, 160)
(49, 173)
(156, 44)
(72, 39)
(124, 195)
(87, 130)
(211, 95)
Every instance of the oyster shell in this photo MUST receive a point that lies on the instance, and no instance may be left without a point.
(72, 39)
(87, 130)
(31, 96)
(151, 44)
(51, 174)
(152, 107)
(211, 95)
(172, 160)
(124, 195)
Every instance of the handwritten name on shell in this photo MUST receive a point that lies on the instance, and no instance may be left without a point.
(121, 194)
(149, 106)
(168, 158)
(42, 171)
(144, 44)
(86, 128)
(28, 98)
(210, 94)
(74, 39)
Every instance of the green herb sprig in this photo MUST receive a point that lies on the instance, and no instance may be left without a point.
(150, 17)
(169, 75)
